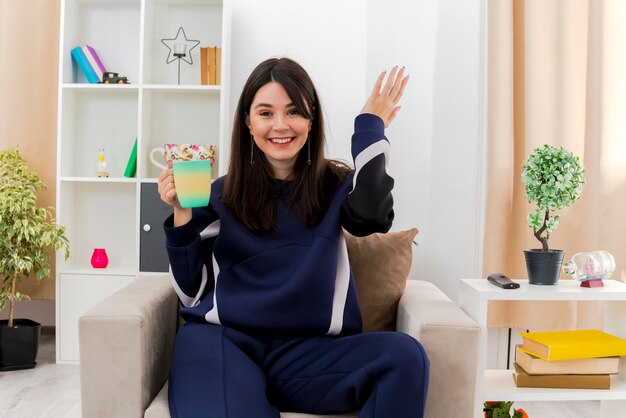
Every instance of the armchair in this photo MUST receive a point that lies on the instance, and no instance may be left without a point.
(126, 344)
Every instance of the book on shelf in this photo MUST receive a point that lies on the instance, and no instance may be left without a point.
(572, 344)
(560, 381)
(212, 65)
(218, 66)
(204, 66)
(83, 64)
(131, 166)
(534, 365)
(94, 61)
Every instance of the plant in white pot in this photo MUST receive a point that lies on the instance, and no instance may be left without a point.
(27, 233)
(553, 178)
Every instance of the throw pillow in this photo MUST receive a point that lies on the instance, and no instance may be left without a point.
(380, 264)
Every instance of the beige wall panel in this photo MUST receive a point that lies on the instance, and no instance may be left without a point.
(29, 37)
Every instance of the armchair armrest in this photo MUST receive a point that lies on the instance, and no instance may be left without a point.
(126, 344)
(451, 340)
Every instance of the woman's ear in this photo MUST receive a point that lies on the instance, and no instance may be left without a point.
(248, 121)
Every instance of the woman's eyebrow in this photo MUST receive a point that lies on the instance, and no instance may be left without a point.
(271, 106)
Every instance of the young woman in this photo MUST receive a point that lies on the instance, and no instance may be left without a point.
(272, 318)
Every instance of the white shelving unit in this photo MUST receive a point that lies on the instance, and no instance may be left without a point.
(154, 109)
(475, 297)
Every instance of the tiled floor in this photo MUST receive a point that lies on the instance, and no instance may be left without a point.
(49, 390)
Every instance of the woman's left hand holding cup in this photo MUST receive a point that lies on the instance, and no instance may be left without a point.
(167, 191)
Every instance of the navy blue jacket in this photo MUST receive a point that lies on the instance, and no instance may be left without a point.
(295, 279)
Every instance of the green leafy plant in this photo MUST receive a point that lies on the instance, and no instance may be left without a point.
(500, 409)
(554, 178)
(27, 231)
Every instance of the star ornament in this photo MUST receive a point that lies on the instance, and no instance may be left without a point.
(181, 38)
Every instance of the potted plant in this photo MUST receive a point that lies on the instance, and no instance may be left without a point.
(27, 232)
(500, 409)
(554, 178)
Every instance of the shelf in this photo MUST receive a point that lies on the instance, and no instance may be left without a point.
(475, 297)
(154, 109)
(112, 28)
(173, 88)
(499, 385)
(102, 215)
(190, 2)
(564, 290)
(153, 274)
(108, 271)
(98, 180)
(94, 118)
(182, 117)
(201, 20)
(109, 88)
(150, 180)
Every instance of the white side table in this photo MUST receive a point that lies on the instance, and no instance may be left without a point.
(498, 385)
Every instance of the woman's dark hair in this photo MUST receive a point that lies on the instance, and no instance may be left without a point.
(248, 187)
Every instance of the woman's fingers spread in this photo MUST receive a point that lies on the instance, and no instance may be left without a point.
(400, 92)
(390, 81)
(397, 84)
(379, 83)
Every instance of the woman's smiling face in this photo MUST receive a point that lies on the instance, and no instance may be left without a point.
(278, 129)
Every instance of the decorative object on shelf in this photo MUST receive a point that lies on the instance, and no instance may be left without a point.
(500, 409)
(99, 258)
(204, 66)
(27, 232)
(192, 171)
(131, 166)
(94, 61)
(554, 178)
(590, 267)
(84, 65)
(102, 164)
(178, 47)
(211, 65)
(182, 152)
(113, 78)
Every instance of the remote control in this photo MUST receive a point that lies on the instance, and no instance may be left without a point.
(502, 281)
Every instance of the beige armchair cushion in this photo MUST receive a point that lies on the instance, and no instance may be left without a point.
(381, 264)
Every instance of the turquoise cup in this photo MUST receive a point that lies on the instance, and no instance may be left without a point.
(193, 182)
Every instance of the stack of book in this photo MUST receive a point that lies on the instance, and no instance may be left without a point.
(573, 359)
(89, 63)
(211, 65)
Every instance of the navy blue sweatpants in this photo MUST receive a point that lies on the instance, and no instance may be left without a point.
(219, 372)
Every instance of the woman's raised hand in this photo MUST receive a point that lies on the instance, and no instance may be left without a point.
(383, 101)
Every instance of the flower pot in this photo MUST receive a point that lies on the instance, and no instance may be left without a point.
(543, 267)
(19, 345)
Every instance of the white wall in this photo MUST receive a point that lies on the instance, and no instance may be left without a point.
(436, 139)
(326, 37)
